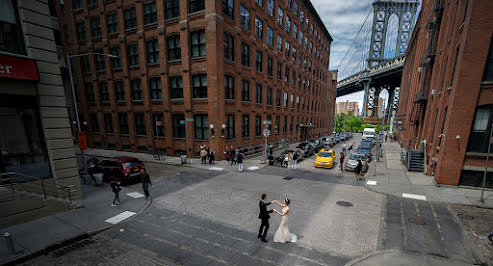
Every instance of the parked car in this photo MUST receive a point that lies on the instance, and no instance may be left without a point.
(365, 148)
(339, 139)
(352, 162)
(307, 148)
(328, 141)
(317, 144)
(325, 158)
(125, 169)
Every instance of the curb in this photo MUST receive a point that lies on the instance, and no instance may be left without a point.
(69, 240)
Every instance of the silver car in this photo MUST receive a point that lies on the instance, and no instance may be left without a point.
(352, 162)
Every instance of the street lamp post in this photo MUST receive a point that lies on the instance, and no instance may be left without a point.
(69, 65)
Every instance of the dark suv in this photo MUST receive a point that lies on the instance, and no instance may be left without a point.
(307, 148)
(125, 169)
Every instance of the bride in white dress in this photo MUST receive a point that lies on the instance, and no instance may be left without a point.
(282, 234)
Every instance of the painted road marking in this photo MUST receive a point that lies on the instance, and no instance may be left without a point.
(371, 182)
(253, 168)
(413, 196)
(216, 168)
(120, 217)
(135, 195)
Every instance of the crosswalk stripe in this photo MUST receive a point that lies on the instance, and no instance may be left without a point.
(216, 168)
(135, 195)
(371, 182)
(413, 196)
(251, 168)
(120, 217)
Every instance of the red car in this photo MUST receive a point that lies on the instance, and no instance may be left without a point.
(125, 169)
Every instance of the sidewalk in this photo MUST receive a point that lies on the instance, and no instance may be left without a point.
(392, 178)
(49, 232)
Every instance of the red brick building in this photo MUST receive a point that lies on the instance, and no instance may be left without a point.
(446, 97)
(221, 66)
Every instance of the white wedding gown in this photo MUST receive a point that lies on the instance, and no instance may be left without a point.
(282, 234)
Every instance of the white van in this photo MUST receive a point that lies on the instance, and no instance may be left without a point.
(369, 133)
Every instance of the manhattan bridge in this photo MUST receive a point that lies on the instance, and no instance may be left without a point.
(375, 59)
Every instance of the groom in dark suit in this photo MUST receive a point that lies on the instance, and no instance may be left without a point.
(264, 216)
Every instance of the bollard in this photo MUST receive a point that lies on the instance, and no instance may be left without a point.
(10, 242)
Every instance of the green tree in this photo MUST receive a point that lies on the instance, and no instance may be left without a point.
(353, 124)
(386, 127)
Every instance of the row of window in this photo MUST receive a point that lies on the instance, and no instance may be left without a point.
(200, 123)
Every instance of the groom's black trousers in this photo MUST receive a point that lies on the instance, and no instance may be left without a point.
(263, 228)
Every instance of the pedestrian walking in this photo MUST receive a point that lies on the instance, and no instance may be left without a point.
(357, 171)
(115, 187)
(212, 156)
(290, 160)
(341, 161)
(232, 154)
(146, 181)
(295, 160)
(240, 161)
(286, 160)
(344, 149)
(203, 155)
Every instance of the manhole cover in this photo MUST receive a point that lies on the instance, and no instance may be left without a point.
(416, 221)
(288, 178)
(344, 203)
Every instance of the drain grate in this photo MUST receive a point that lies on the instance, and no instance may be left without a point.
(287, 178)
(416, 221)
(344, 203)
(75, 246)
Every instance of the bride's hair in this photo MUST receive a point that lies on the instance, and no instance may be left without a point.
(287, 201)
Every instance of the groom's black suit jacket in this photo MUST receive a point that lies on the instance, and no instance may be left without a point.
(264, 213)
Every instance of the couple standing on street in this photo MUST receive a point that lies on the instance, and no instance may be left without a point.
(282, 235)
(115, 186)
(235, 158)
(207, 153)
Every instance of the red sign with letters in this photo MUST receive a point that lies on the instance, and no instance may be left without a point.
(18, 68)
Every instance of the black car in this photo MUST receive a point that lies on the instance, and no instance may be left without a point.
(365, 151)
(317, 144)
(307, 148)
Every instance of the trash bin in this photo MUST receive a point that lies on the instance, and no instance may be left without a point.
(183, 159)
(98, 178)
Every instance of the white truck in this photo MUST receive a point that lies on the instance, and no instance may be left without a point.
(369, 133)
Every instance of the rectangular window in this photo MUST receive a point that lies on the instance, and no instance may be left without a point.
(258, 61)
(178, 126)
(258, 94)
(130, 18)
(136, 90)
(176, 87)
(94, 123)
(105, 94)
(288, 3)
(270, 36)
(278, 98)
(140, 125)
(90, 93)
(293, 52)
(116, 62)
(297, 124)
(172, 8)
(133, 55)
(279, 16)
(279, 70)
(295, 8)
(294, 78)
(285, 100)
(201, 126)
(228, 8)
(196, 5)
(301, 38)
(488, 70)
(158, 124)
(245, 126)
(76, 5)
(150, 13)
(230, 126)
(269, 96)
(279, 43)
(270, 7)
(199, 86)
(245, 90)
(455, 65)
(295, 32)
(245, 54)
(229, 46)
(229, 87)
(108, 124)
(287, 49)
(276, 128)
(92, 3)
(152, 52)
(119, 91)
(480, 130)
(100, 63)
(96, 28)
(269, 66)
(81, 31)
(258, 126)
(286, 75)
(302, 16)
(288, 24)
(443, 127)
(245, 17)
(174, 48)
(292, 100)
(156, 90)
(258, 27)
(260, 2)
(123, 121)
(198, 43)
(85, 64)
(291, 125)
(298, 103)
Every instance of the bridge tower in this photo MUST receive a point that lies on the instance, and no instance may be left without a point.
(383, 11)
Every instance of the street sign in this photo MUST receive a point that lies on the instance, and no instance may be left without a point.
(189, 119)
(267, 122)
(82, 140)
(266, 132)
(182, 122)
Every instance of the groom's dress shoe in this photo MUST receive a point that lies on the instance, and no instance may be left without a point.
(263, 240)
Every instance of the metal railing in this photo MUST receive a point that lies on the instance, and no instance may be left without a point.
(14, 182)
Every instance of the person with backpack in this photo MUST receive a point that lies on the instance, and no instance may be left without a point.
(115, 187)
(239, 159)
(295, 160)
(341, 161)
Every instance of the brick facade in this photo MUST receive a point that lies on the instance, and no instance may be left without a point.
(319, 97)
(444, 83)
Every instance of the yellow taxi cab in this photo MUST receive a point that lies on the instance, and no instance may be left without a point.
(325, 158)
